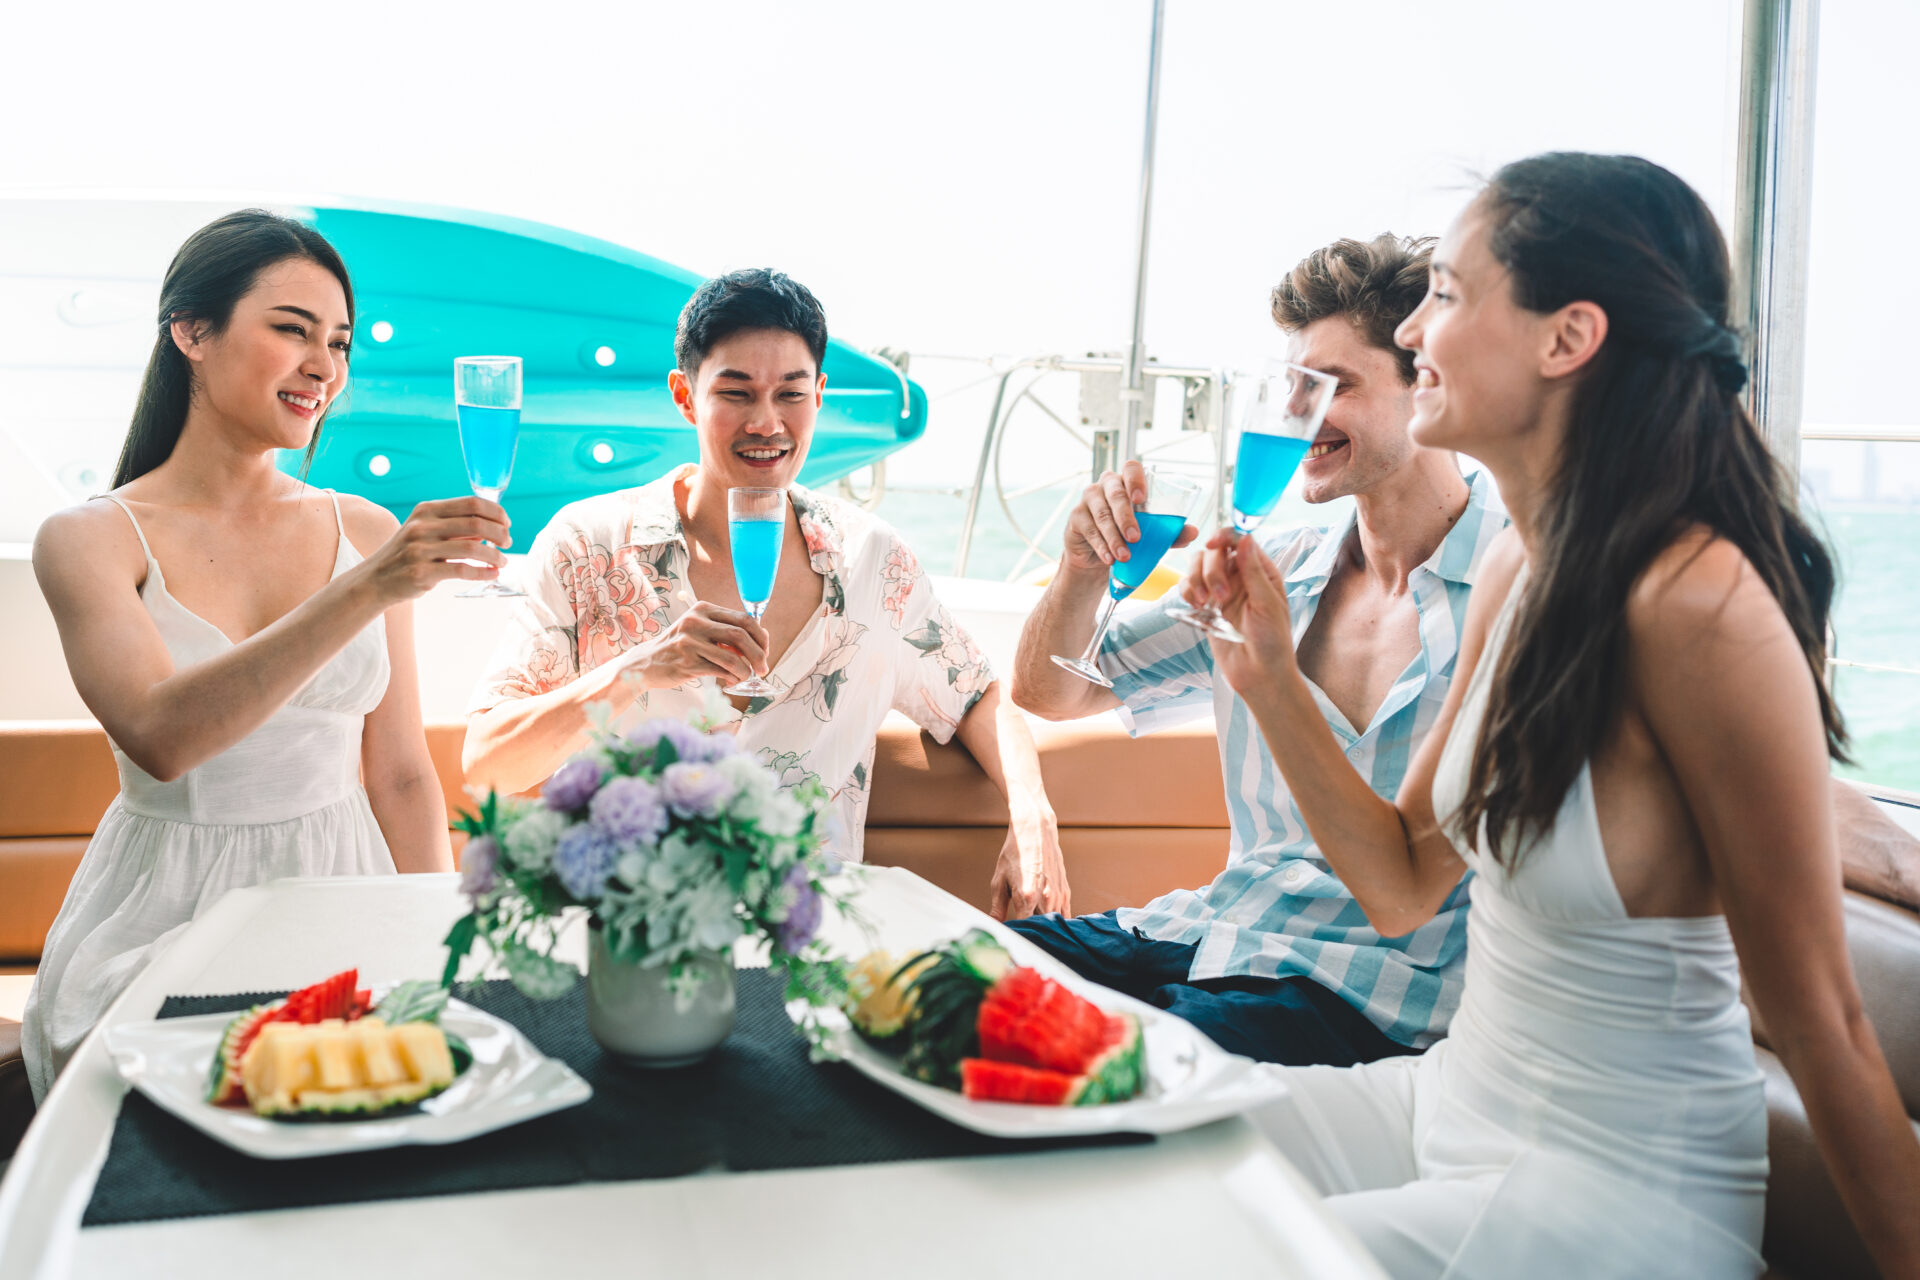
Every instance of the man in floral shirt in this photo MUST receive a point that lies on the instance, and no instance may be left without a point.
(631, 602)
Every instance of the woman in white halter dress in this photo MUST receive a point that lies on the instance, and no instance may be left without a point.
(296, 748)
(1642, 656)
(1599, 1075)
(286, 800)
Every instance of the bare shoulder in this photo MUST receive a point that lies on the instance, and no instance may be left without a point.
(1700, 591)
(368, 524)
(1499, 569)
(94, 538)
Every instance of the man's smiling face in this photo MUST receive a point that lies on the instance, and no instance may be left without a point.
(753, 400)
(1364, 439)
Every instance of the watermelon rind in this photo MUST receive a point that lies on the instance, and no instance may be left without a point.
(1120, 1072)
(223, 1077)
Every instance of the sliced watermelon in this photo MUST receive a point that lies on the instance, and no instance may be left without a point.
(337, 997)
(223, 1081)
(987, 1081)
(1033, 1021)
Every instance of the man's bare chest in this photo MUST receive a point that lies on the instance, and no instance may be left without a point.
(1358, 646)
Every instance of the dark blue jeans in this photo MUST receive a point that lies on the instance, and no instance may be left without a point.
(1295, 1021)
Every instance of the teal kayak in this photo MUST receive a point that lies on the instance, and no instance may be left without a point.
(593, 322)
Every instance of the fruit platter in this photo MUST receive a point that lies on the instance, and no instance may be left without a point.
(333, 1067)
(1032, 1050)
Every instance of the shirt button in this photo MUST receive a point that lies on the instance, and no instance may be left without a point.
(1293, 875)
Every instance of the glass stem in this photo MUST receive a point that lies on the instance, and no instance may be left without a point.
(1100, 631)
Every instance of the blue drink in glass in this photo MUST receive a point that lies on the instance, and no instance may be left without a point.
(756, 559)
(1158, 530)
(756, 526)
(1170, 499)
(1289, 404)
(1261, 471)
(487, 440)
(486, 404)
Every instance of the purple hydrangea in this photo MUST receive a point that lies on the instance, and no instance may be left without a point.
(684, 737)
(695, 790)
(627, 810)
(479, 866)
(573, 784)
(803, 917)
(708, 747)
(584, 859)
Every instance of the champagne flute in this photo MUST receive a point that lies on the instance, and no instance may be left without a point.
(486, 401)
(1171, 499)
(1288, 406)
(756, 526)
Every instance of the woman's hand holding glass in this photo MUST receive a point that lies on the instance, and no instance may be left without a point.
(441, 540)
(1242, 583)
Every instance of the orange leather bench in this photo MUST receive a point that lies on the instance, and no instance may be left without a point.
(932, 811)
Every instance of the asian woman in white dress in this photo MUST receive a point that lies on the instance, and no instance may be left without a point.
(245, 640)
(1634, 763)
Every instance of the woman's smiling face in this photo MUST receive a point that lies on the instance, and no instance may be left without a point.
(1477, 351)
(282, 358)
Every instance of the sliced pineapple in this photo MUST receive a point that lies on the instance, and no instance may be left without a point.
(340, 1068)
(883, 996)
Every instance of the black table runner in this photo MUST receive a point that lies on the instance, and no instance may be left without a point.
(756, 1103)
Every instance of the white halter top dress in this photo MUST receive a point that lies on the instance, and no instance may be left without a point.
(284, 801)
(1612, 1050)
(1595, 1110)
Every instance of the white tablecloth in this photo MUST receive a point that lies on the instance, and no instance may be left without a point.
(1212, 1201)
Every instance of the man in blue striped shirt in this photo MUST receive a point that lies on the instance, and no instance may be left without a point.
(1275, 959)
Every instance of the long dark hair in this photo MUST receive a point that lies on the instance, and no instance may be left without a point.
(213, 270)
(1658, 442)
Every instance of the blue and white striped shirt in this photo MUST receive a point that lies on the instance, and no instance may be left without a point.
(1278, 910)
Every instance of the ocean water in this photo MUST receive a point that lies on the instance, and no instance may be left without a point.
(1876, 618)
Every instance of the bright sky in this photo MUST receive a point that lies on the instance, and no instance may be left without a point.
(962, 178)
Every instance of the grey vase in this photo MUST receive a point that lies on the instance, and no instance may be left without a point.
(631, 1011)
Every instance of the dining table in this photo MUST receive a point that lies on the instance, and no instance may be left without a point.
(1217, 1199)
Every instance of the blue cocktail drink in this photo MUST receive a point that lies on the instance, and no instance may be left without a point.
(486, 404)
(1170, 499)
(756, 558)
(1158, 530)
(1261, 471)
(1288, 406)
(756, 526)
(487, 440)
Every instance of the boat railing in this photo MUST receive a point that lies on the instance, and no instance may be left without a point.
(1204, 393)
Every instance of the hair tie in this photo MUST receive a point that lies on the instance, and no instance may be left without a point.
(1730, 372)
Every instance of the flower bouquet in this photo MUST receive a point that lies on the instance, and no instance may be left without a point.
(677, 844)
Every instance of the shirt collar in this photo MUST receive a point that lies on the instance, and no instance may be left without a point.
(1456, 559)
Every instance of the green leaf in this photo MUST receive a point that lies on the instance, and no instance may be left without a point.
(459, 942)
(737, 860)
(417, 1001)
(461, 1052)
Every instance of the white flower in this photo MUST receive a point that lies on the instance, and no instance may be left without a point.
(753, 786)
(781, 815)
(711, 922)
(530, 839)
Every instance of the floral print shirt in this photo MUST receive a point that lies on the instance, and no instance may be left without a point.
(609, 573)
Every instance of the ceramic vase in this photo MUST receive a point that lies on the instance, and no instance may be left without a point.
(634, 1015)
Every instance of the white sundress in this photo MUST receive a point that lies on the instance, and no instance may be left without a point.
(1595, 1111)
(286, 800)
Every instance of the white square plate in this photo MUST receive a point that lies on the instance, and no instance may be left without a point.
(508, 1081)
(1191, 1081)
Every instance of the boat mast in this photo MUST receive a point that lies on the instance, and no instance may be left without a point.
(1107, 451)
(1771, 207)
